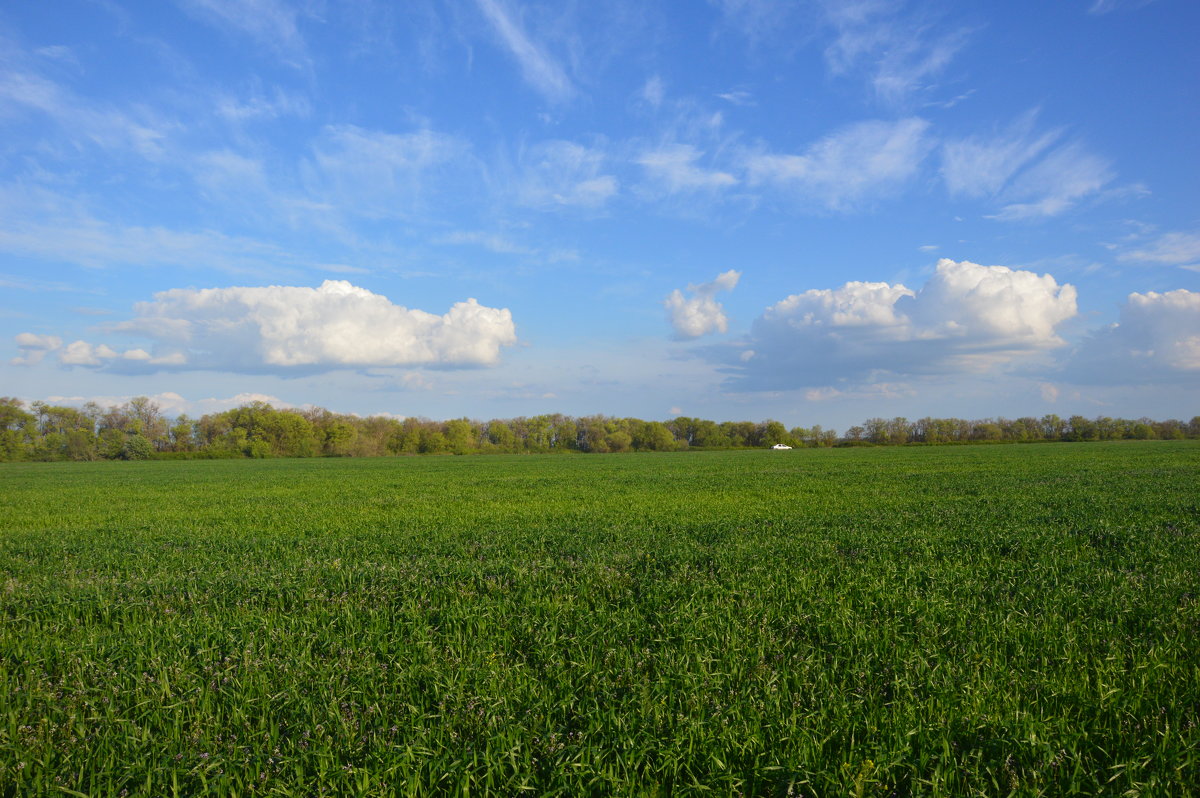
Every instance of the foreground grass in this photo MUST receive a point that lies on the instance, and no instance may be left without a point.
(938, 621)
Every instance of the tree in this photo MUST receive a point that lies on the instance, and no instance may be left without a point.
(460, 436)
(653, 436)
(339, 439)
(565, 434)
(772, 432)
(18, 429)
(501, 436)
(136, 447)
(150, 419)
(183, 433)
(431, 441)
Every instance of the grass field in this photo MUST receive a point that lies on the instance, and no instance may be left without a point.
(911, 621)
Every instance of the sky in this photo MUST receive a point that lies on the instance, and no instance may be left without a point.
(816, 212)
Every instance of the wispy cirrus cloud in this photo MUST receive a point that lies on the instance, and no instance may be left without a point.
(899, 53)
(50, 226)
(1055, 183)
(262, 104)
(980, 166)
(1168, 249)
(83, 122)
(1031, 173)
(270, 23)
(1101, 7)
(675, 168)
(381, 174)
(538, 68)
(853, 165)
(557, 174)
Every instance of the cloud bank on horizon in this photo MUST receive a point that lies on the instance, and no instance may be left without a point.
(843, 168)
(281, 328)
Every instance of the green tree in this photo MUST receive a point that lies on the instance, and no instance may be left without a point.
(18, 429)
(460, 436)
(339, 438)
(137, 447)
(501, 436)
(431, 441)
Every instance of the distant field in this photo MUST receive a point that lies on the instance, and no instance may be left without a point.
(911, 621)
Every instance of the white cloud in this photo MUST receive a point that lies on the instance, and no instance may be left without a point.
(380, 175)
(1021, 168)
(172, 404)
(1055, 183)
(899, 56)
(34, 348)
(291, 329)
(979, 167)
(82, 121)
(224, 173)
(879, 390)
(56, 233)
(269, 22)
(700, 314)
(489, 241)
(81, 353)
(852, 165)
(673, 167)
(967, 317)
(260, 106)
(1172, 249)
(757, 20)
(1155, 340)
(1107, 6)
(738, 97)
(653, 91)
(538, 68)
(562, 173)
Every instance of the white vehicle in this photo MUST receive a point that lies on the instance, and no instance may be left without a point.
(781, 446)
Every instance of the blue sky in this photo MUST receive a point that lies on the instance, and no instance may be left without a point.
(817, 212)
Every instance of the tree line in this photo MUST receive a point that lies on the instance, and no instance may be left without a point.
(139, 430)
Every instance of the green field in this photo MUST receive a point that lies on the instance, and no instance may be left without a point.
(903, 621)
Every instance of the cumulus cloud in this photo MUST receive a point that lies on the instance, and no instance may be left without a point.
(967, 317)
(81, 353)
(701, 313)
(286, 329)
(854, 164)
(1156, 339)
(34, 348)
